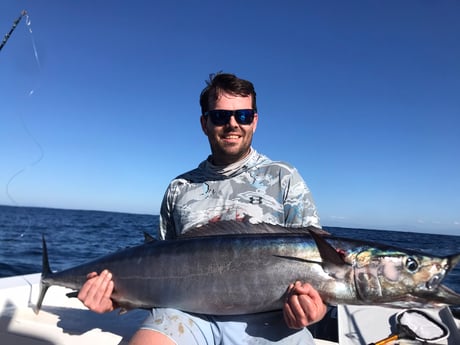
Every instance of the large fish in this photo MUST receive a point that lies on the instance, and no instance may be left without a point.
(250, 270)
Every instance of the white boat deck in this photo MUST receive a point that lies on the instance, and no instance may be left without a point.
(62, 320)
(368, 324)
(65, 321)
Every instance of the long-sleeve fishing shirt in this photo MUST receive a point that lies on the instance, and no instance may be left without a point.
(255, 188)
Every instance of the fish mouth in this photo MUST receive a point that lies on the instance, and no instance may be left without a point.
(452, 297)
(439, 297)
(441, 294)
(448, 296)
(436, 280)
(450, 262)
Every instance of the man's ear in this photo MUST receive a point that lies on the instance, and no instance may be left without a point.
(203, 121)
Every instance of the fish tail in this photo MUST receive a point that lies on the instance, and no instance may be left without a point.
(46, 272)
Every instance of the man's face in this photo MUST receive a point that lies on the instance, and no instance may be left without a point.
(232, 141)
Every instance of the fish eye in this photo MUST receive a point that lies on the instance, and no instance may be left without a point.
(411, 264)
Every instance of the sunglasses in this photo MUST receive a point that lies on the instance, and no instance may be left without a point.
(222, 117)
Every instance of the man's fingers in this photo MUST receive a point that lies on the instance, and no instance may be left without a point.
(299, 309)
(288, 316)
(91, 275)
(109, 289)
(100, 285)
(83, 293)
(96, 292)
(303, 305)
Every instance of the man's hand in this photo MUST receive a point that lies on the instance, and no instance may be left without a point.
(303, 306)
(95, 293)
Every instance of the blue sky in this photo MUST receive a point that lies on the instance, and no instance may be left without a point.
(99, 104)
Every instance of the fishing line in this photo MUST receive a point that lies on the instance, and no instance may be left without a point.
(29, 26)
(41, 153)
(28, 166)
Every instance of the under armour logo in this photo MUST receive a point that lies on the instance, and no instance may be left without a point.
(255, 200)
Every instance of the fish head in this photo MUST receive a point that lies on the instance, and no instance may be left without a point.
(403, 279)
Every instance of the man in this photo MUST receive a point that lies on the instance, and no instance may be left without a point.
(234, 183)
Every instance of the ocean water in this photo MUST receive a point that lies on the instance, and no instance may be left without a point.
(74, 237)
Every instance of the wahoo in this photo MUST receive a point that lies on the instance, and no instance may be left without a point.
(229, 268)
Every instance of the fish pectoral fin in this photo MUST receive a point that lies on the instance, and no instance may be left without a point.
(73, 294)
(329, 255)
(298, 259)
(331, 269)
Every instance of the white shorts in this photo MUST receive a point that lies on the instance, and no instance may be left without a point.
(188, 329)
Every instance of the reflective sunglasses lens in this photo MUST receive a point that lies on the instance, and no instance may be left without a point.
(244, 117)
(219, 117)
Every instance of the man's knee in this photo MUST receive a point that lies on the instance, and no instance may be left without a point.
(150, 337)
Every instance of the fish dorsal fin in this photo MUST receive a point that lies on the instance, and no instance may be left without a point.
(148, 238)
(330, 256)
(233, 227)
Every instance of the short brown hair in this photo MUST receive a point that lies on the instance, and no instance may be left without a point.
(229, 83)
